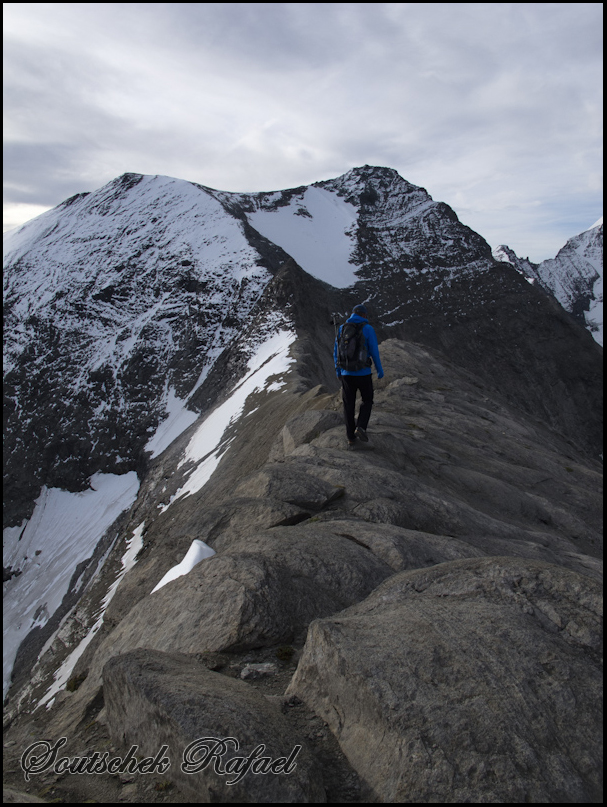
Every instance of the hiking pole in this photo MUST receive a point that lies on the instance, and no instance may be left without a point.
(334, 317)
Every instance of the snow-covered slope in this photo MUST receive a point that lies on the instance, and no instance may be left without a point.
(574, 276)
(369, 222)
(317, 228)
(46, 552)
(137, 253)
(117, 305)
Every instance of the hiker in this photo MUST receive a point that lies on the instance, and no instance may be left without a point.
(353, 368)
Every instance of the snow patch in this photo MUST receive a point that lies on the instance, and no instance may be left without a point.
(198, 551)
(594, 315)
(209, 444)
(63, 531)
(179, 417)
(500, 253)
(318, 230)
(64, 672)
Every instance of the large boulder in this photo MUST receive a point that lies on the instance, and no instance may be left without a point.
(289, 483)
(238, 515)
(154, 699)
(472, 681)
(377, 493)
(399, 548)
(307, 426)
(262, 591)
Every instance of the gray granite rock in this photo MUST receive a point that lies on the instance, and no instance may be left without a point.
(12, 796)
(465, 682)
(289, 483)
(306, 427)
(155, 699)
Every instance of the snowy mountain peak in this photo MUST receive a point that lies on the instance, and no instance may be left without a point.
(504, 254)
(115, 302)
(574, 276)
(369, 222)
(370, 182)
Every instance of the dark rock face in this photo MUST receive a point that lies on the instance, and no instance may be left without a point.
(518, 340)
(396, 218)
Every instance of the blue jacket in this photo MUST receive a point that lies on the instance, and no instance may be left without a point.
(372, 350)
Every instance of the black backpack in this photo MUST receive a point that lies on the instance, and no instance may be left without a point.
(352, 348)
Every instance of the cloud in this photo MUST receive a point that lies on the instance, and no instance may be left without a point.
(492, 107)
(15, 214)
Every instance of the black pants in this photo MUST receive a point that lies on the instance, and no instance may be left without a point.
(350, 385)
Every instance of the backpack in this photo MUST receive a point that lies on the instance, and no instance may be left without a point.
(352, 348)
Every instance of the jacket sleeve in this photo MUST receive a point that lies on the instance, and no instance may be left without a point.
(373, 349)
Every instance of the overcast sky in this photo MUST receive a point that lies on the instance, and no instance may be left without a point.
(494, 108)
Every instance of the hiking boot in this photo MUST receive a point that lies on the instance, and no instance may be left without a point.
(362, 434)
(351, 444)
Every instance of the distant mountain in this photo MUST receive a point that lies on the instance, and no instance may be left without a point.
(504, 254)
(574, 276)
(117, 305)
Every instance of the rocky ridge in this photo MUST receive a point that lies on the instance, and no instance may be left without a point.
(428, 606)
